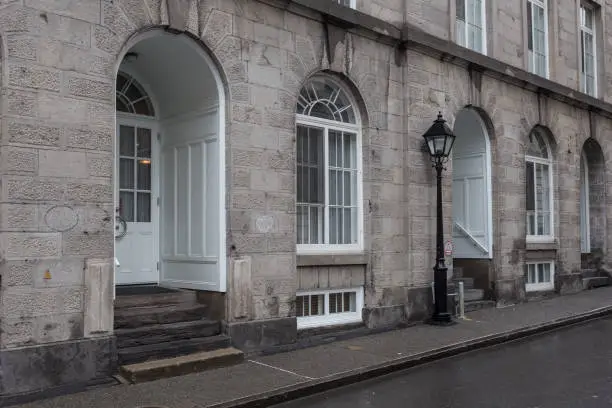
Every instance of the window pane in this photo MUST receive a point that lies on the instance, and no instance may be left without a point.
(144, 142)
(143, 207)
(144, 174)
(126, 141)
(588, 17)
(529, 26)
(126, 173)
(540, 273)
(460, 31)
(126, 205)
(460, 7)
(316, 305)
(547, 277)
(530, 188)
(310, 184)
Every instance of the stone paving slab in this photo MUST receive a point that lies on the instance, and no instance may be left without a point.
(261, 381)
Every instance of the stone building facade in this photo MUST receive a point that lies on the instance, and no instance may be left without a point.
(268, 155)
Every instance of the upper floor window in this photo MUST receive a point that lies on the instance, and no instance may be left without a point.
(588, 69)
(347, 3)
(537, 37)
(538, 184)
(329, 208)
(470, 24)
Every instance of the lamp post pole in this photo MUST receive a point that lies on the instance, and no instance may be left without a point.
(440, 315)
(439, 139)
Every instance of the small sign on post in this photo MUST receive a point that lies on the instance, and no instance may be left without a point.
(448, 248)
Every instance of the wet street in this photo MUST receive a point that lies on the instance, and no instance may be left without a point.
(567, 368)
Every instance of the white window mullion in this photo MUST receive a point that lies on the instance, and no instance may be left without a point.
(326, 185)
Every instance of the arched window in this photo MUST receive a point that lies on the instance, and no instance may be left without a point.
(329, 213)
(131, 97)
(539, 187)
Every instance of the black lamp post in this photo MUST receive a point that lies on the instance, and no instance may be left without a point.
(439, 139)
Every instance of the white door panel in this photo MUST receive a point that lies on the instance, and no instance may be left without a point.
(136, 251)
(470, 207)
(189, 204)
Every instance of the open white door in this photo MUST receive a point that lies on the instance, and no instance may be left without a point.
(472, 212)
(190, 247)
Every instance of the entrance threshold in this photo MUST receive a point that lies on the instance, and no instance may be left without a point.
(142, 289)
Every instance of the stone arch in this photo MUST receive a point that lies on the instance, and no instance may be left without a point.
(187, 135)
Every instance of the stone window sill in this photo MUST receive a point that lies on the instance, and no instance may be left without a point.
(541, 246)
(331, 260)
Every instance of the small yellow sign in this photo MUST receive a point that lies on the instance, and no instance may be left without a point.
(47, 275)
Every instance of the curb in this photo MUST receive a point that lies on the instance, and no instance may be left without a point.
(311, 387)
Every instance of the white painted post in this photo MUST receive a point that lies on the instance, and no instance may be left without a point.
(461, 301)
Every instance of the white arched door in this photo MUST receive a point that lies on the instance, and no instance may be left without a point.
(472, 212)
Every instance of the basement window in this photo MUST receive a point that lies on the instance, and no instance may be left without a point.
(540, 276)
(346, 3)
(328, 307)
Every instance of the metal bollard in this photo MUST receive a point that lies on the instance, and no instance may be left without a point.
(461, 301)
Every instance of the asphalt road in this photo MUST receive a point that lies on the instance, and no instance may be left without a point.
(566, 368)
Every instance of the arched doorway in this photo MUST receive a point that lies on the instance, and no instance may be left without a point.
(169, 179)
(472, 202)
(592, 201)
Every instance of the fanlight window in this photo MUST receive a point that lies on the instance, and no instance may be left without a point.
(131, 97)
(324, 99)
(537, 146)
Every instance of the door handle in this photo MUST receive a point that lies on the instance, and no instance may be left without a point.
(120, 227)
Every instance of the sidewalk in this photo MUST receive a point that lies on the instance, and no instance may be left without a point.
(265, 380)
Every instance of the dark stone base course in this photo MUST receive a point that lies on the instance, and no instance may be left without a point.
(257, 335)
(31, 373)
(569, 283)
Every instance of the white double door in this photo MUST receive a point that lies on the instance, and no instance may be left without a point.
(168, 193)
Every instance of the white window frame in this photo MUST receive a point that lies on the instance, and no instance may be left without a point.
(541, 286)
(333, 319)
(592, 32)
(548, 161)
(327, 125)
(483, 26)
(542, 4)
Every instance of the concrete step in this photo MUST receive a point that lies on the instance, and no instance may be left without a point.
(468, 283)
(162, 333)
(168, 349)
(152, 315)
(595, 282)
(183, 297)
(478, 304)
(187, 364)
(474, 295)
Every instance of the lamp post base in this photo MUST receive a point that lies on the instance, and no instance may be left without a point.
(441, 319)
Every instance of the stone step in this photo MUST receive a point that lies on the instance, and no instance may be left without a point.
(474, 295)
(162, 333)
(153, 315)
(187, 364)
(595, 282)
(183, 297)
(589, 273)
(478, 304)
(176, 348)
(468, 283)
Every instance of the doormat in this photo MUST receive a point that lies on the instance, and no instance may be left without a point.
(142, 290)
